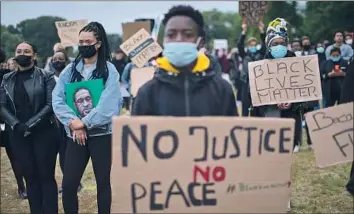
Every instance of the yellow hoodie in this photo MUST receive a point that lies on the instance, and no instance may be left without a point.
(202, 64)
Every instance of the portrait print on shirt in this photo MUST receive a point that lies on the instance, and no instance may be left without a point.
(84, 96)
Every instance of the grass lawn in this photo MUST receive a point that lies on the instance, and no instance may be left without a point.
(314, 190)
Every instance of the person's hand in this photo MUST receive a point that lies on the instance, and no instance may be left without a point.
(4, 66)
(80, 136)
(340, 73)
(284, 106)
(76, 124)
(261, 26)
(244, 28)
(21, 128)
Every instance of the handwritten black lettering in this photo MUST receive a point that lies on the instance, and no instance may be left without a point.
(206, 142)
(342, 137)
(267, 140)
(293, 81)
(249, 139)
(179, 191)
(153, 193)
(134, 195)
(224, 149)
(306, 68)
(282, 83)
(258, 70)
(206, 191)
(324, 121)
(282, 68)
(235, 142)
(292, 69)
(283, 139)
(260, 141)
(157, 139)
(127, 133)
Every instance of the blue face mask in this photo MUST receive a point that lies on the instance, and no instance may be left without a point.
(320, 49)
(335, 59)
(180, 54)
(278, 51)
(252, 49)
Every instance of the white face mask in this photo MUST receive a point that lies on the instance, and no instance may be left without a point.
(298, 53)
(349, 41)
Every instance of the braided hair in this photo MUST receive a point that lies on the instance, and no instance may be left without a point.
(104, 54)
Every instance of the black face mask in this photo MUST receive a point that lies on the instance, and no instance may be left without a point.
(306, 47)
(58, 65)
(87, 51)
(23, 60)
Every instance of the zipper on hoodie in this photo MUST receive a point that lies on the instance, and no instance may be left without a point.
(186, 95)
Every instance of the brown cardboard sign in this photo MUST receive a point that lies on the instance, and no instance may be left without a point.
(331, 131)
(201, 164)
(252, 11)
(140, 48)
(130, 28)
(68, 31)
(285, 80)
(139, 76)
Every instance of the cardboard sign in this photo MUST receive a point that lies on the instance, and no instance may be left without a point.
(139, 76)
(130, 28)
(140, 48)
(68, 31)
(201, 165)
(252, 11)
(331, 131)
(220, 44)
(285, 80)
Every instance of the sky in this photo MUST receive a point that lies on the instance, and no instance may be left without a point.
(110, 13)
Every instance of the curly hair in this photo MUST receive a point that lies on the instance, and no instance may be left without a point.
(186, 10)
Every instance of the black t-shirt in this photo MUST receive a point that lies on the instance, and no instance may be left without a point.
(24, 110)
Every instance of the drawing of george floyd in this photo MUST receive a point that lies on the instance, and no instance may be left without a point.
(83, 101)
(83, 96)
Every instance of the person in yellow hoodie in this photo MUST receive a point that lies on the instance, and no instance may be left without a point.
(186, 83)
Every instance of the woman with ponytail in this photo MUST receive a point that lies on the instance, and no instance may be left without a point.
(89, 136)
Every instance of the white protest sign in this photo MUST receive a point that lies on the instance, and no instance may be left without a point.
(331, 131)
(140, 48)
(285, 80)
(68, 31)
(220, 44)
(201, 165)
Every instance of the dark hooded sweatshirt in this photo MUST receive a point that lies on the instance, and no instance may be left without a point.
(200, 92)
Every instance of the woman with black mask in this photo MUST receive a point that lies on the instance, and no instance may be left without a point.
(90, 134)
(59, 61)
(4, 134)
(27, 111)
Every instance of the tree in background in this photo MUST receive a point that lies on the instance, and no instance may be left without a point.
(288, 11)
(325, 17)
(221, 25)
(114, 40)
(9, 40)
(42, 33)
